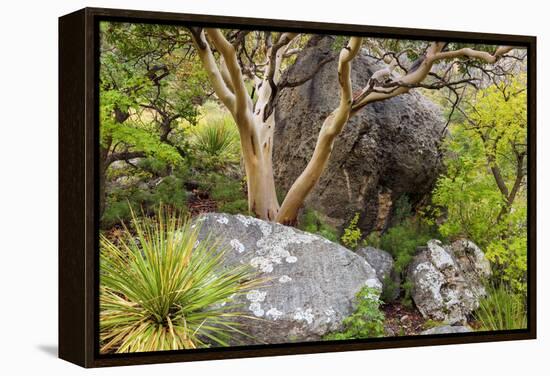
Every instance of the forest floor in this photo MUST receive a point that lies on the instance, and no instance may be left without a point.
(200, 202)
(401, 320)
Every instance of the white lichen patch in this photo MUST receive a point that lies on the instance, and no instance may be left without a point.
(273, 245)
(291, 259)
(285, 279)
(256, 309)
(197, 242)
(222, 219)
(431, 281)
(244, 220)
(237, 245)
(274, 313)
(301, 315)
(264, 227)
(265, 265)
(451, 298)
(256, 295)
(330, 313)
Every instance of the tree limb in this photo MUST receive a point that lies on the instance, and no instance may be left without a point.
(332, 126)
(209, 63)
(433, 54)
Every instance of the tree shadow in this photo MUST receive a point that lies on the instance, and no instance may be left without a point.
(50, 350)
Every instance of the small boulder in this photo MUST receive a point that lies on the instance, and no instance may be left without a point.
(447, 329)
(382, 262)
(310, 283)
(448, 281)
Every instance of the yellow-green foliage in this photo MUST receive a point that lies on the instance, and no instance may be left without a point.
(493, 136)
(352, 234)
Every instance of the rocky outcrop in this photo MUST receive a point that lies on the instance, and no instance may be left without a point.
(310, 282)
(382, 262)
(447, 329)
(448, 280)
(388, 149)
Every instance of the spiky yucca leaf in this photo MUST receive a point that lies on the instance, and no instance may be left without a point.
(501, 309)
(162, 289)
(217, 138)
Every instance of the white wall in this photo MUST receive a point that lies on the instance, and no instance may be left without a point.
(28, 199)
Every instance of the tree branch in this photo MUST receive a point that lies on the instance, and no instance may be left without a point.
(332, 126)
(415, 77)
(209, 63)
(285, 83)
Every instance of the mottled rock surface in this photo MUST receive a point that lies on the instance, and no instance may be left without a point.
(382, 262)
(448, 280)
(388, 149)
(447, 329)
(311, 282)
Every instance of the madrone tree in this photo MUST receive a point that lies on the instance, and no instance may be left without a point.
(233, 59)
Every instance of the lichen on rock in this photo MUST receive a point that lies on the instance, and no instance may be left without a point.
(448, 280)
(309, 283)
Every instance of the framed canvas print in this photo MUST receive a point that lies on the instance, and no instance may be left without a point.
(234, 187)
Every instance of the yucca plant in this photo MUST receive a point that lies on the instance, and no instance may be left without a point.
(501, 309)
(217, 139)
(162, 289)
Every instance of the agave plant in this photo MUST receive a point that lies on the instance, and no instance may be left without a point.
(162, 289)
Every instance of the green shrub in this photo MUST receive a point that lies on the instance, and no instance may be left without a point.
(406, 299)
(161, 290)
(402, 209)
(170, 191)
(372, 240)
(402, 240)
(115, 212)
(501, 310)
(311, 222)
(389, 290)
(239, 206)
(226, 191)
(508, 257)
(366, 322)
(154, 166)
(352, 234)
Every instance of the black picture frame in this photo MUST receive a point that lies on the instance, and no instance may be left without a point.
(78, 188)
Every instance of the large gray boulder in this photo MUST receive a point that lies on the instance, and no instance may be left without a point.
(310, 282)
(388, 149)
(448, 281)
(382, 262)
